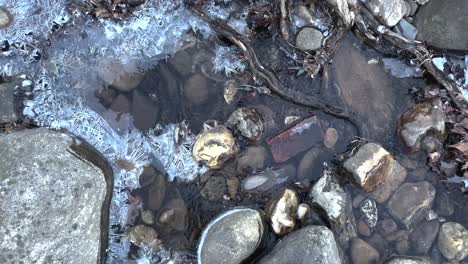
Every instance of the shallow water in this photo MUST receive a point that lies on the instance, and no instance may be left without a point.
(366, 88)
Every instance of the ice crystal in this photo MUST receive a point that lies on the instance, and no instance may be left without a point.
(227, 60)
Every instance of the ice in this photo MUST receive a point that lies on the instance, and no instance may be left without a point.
(227, 60)
(399, 69)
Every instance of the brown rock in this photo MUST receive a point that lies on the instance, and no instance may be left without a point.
(196, 89)
(363, 253)
(363, 229)
(156, 191)
(120, 104)
(232, 186)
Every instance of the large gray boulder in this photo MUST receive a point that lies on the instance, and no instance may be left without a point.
(310, 244)
(443, 24)
(53, 193)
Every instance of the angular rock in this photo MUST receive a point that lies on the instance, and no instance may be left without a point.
(310, 244)
(51, 199)
(369, 212)
(231, 237)
(248, 122)
(406, 29)
(375, 171)
(411, 202)
(407, 260)
(423, 236)
(281, 211)
(453, 241)
(419, 121)
(443, 204)
(388, 12)
(363, 253)
(442, 24)
(7, 106)
(309, 39)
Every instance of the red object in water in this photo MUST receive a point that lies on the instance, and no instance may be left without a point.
(295, 139)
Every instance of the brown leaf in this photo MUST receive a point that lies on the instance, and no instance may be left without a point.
(461, 147)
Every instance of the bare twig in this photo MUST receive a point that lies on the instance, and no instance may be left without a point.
(283, 25)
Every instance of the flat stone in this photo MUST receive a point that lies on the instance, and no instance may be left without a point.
(388, 12)
(310, 244)
(157, 190)
(406, 29)
(419, 121)
(309, 39)
(232, 236)
(453, 241)
(442, 24)
(7, 106)
(423, 236)
(375, 171)
(363, 253)
(407, 260)
(144, 112)
(196, 89)
(411, 202)
(51, 199)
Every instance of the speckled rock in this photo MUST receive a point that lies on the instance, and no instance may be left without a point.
(375, 171)
(231, 237)
(51, 200)
(309, 39)
(453, 241)
(310, 244)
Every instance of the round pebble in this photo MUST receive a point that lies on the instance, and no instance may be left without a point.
(5, 18)
(309, 39)
(331, 137)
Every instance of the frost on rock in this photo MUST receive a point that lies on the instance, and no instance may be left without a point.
(227, 60)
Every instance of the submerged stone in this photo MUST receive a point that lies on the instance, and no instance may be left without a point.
(282, 211)
(51, 199)
(453, 241)
(309, 39)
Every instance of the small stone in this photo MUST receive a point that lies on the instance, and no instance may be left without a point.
(145, 113)
(388, 12)
(431, 144)
(397, 236)
(449, 168)
(5, 18)
(174, 214)
(157, 189)
(309, 39)
(331, 137)
(291, 119)
(181, 63)
(423, 236)
(230, 93)
(369, 212)
(233, 235)
(120, 104)
(375, 171)
(422, 2)
(147, 217)
(406, 29)
(105, 95)
(196, 89)
(443, 204)
(306, 165)
(420, 120)
(247, 121)
(144, 237)
(363, 229)
(411, 202)
(214, 146)
(7, 106)
(124, 78)
(282, 211)
(232, 186)
(363, 253)
(251, 160)
(413, 7)
(402, 246)
(268, 179)
(310, 244)
(453, 241)
(407, 260)
(302, 212)
(358, 199)
(214, 189)
(387, 226)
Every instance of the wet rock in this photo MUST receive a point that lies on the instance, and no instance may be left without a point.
(174, 214)
(363, 253)
(443, 204)
(144, 237)
(406, 29)
(7, 106)
(306, 165)
(329, 196)
(375, 171)
(407, 260)
(331, 137)
(291, 119)
(5, 18)
(268, 179)
(295, 139)
(51, 194)
(214, 189)
(147, 217)
(120, 104)
(389, 12)
(281, 212)
(449, 168)
(397, 236)
(124, 78)
(419, 121)
(453, 241)
(232, 186)
(363, 229)
(157, 189)
(251, 160)
(378, 242)
(413, 7)
(302, 211)
(411, 202)
(196, 89)
(309, 39)
(402, 246)
(145, 113)
(181, 63)
(230, 92)
(247, 121)
(233, 235)
(369, 212)
(358, 199)
(423, 236)
(442, 24)
(387, 226)
(214, 145)
(310, 244)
